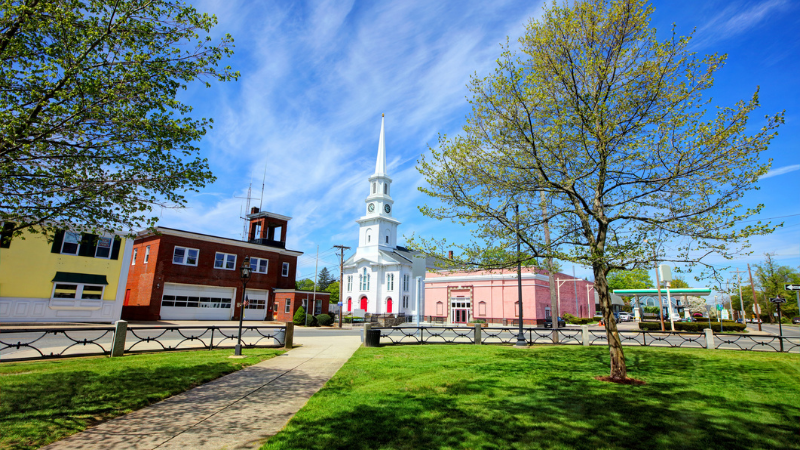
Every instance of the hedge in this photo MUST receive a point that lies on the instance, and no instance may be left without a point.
(299, 316)
(693, 326)
(324, 319)
(569, 318)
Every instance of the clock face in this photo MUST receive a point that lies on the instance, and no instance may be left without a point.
(387, 208)
(371, 207)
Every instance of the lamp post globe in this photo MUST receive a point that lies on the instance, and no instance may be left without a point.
(244, 274)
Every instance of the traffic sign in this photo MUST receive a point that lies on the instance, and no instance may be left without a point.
(792, 287)
(719, 307)
(778, 300)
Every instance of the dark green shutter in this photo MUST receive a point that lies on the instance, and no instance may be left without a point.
(58, 239)
(5, 235)
(115, 248)
(88, 245)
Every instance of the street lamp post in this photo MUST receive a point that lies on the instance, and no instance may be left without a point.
(521, 342)
(244, 273)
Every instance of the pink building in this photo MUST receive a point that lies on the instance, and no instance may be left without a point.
(458, 297)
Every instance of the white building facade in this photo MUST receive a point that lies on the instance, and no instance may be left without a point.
(381, 277)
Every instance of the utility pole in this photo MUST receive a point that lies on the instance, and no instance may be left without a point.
(314, 298)
(755, 299)
(341, 248)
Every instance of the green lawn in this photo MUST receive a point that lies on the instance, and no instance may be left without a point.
(43, 401)
(491, 397)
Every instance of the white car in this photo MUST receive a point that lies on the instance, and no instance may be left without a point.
(625, 317)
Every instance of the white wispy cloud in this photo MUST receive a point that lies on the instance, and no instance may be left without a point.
(737, 18)
(315, 79)
(780, 171)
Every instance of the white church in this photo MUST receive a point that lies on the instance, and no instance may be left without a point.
(381, 277)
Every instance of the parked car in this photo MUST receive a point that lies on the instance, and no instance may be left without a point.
(625, 317)
(795, 319)
(548, 323)
(739, 320)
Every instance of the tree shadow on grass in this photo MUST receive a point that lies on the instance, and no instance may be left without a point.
(39, 408)
(497, 406)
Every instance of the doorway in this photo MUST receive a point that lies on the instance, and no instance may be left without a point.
(460, 308)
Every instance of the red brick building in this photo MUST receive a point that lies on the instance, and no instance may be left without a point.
(287, 301)
(182, 275)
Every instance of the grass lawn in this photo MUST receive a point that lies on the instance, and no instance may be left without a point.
(43, 401)
(492, 397)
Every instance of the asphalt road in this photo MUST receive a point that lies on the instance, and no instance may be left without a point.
(788, 330)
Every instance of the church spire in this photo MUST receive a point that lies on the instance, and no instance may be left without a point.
(380, 164)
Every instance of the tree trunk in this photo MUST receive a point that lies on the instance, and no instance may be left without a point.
(553, 287)
(619, 370)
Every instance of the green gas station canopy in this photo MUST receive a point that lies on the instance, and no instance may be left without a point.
(697, 292)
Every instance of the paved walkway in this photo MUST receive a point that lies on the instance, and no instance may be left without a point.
(239, 410)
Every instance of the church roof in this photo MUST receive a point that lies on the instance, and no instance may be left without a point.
(383, 257)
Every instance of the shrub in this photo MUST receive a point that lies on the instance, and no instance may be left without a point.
(311, 321)
(697, 327)
(324, 319)
(477, 321)
(651, 309)
(332, 315)
(299, 316)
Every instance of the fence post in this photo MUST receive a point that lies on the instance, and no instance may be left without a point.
(555, 332)
(118, 344)
(477, 334)
(367, 326)
(288, 339)
(710, 339)
(585, 333)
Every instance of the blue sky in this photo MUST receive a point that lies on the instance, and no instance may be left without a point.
(316, 77)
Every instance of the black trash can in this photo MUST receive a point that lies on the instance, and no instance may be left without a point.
(373, 338)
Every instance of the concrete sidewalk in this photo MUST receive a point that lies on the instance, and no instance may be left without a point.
(239, 410)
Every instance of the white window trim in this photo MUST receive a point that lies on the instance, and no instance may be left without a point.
(64, 241)
(224, 260)
(135, 254)
(285, 269)
(288, 308)
(257, 260)
(147, 255)
(78, 291)
(110, 247)
(185, 256)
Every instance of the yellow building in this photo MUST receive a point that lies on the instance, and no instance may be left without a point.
(79, 277)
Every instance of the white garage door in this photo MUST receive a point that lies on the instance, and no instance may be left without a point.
(188, 302)
(256, 308)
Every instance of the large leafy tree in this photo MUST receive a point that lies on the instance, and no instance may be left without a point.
(601, 133)
(629, 279)
(92, 134)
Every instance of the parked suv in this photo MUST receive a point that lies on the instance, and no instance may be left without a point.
(625, 317)
(548, 323)
(795, 319)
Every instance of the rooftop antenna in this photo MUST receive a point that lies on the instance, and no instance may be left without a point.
(246, 210)
(263, 180)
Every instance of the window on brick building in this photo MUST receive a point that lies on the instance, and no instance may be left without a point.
(225, 261)
(288, 306)
(185, 256)
(285, 269)
(146, 254)
(135, 254)
(259, 265)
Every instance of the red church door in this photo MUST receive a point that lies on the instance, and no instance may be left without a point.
(389, 305)
(349, 304)
(364, 303)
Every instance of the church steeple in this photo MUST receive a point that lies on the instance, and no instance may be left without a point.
(380, 164)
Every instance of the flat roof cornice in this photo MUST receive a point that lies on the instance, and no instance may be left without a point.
(216, 240)
(672, 291)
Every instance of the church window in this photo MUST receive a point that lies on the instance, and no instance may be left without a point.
(405, 282)
(373, 187)
(369, 237)
(390, 281)
(349, 283)
(385, 188)
(387, 238)
(364, 279)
